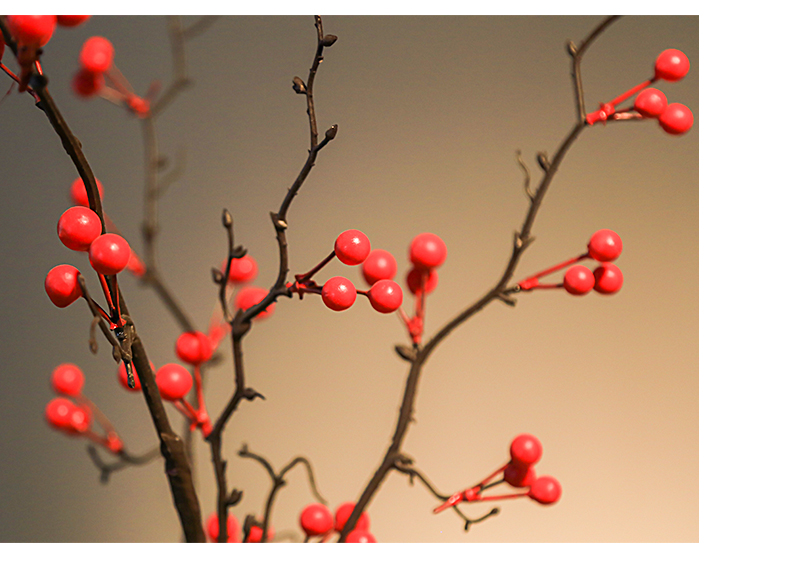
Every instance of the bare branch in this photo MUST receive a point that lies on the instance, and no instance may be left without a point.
(124, 460)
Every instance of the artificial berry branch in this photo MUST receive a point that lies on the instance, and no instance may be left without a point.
(520, 243)
(278, 481)
(176, 463)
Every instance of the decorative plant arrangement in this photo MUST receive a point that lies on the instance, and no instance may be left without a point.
(400, 292)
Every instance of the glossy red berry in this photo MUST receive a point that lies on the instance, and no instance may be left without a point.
(651, 102)
(124, 380)
(385, 296)
(243, 270)
(174, 381)
(525, 450)
(379, 265)
(342, 514)
(338, 293)
(194, 348)
(78, 227)
(109, 254)
(352, 247)
(676, 119)
(414, 280)
(360, 536)
(67, 379)
(80, 196)
(672, 65)
(62, 286)
(97, 54)
(71, 21)
(248, 297)
(605, 245)
(545, 489)
(212, 526)
(58, 413)
(608, 278)
(578, 280)
(256, 533)
(519, 477)
(33, 31)
(86, 84)
(316, 520)
(427, 251)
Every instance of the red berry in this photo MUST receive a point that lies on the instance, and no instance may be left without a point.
(79, 194)
(250, 296)
(651, 102)
(338, 293)
(672, 65)
(414, 280)
(67, 379)
(427, 251)
(81, 419)
(352, 247)
(86, 84)
(525, 450)
(385, 296)
(676, 119)
(58, 413)
(360, 536)
(519, 477)
(379, 265)
(33, 31)
(96, 55)
(78, 227)
(608, 278)
(342, 514)
(605, 245)
(578, 280)
(545, 489)
(174, 381)
(194, 348)
(124, 380)
(109, 254)
(212, 526)
(256, 533)
(71, 21)
(316, 520)
(62, 286)
(243, 270)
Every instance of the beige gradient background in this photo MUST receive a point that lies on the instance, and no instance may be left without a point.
(431, 111)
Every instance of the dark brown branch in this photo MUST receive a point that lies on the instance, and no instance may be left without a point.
(278, 481)
(124, 460)
(520, 243)
(576, 54)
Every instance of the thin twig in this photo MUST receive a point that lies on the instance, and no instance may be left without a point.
(124, 460)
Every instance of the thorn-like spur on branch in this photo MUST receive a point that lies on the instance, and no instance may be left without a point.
(408, 469)
(299, 86)
(234, 498)
(527, 176)
(124, 460)
(543, 161)
(497, 292)
(406, 353)
(222, 278)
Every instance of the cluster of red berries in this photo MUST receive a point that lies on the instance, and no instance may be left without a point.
(525, 451)
(352, 247)
(427, 253)
(31, 33)
(671, 66)
(316, 520)
(242, 272)
(604, 246)
(72, 412)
